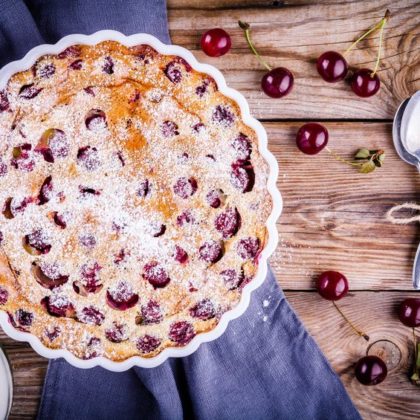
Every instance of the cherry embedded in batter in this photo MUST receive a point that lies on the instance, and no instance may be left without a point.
(108, 66)
(72, 51)
(242, 176)
(223, 116)
(46, 71)
(151, 313)
(23, 319)
(29, 91)
(181, 332)
(185, 187)
(248, 248)
(211, 251)
(37, 243)
(59, 306)
(117, 333)
(203, 310)
(88, 157)
(59, 220)
(215, 42)
(185, 218)
(90, 281)
(4, 296)
(242, 147)
(46, 191)
(48, 275)
(228, 222)
(22, 158)
(121, 296)
(91, 315)
(147, 344)
(173, 72)
(4, 101)
(215, 198)
(52, 333)
(232, 278)
(95, 120)
(180, 255)
(156, 275)
(169, 129)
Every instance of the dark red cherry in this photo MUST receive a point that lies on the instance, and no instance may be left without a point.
(13, 206)
(409, 312)
(173, 70)
(277, 82)
(215, 42)
(363, 84)
(242, 147)
(29, 91)
(117, 333)
(169, 129)
(88, 157)
(72, 51)
(185, 218)
(144, 188)
(23, 318)
(58, 305)
(223, 116)
(120, 256)
(215, 198)
(95, 120)
(370, 370)
(49, 275)
(211, 251)
(202, 89)
(46, 71)
(121, 296)
(248, 248)
(108, 66)
(231, 278)
(242, 176)
(60, 220)
(37, 243)
(4, 295)
(90, 281)
(147, 344)
(180, 255)
(46, 191)
(76, 65)
(156, 275)
(4, 101)
(151, 313)
(203, 310)
(181, 332)
(228, 222)
(332, 66)
(91, 315)
(185, 187)
(332, 285)
(22, 158)
(311, 138)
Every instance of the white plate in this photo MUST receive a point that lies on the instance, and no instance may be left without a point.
(6, 386)
(25, 63)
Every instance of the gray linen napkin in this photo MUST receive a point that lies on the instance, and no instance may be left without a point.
(265, 366)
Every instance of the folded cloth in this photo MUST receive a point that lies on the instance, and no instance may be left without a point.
(265, 366)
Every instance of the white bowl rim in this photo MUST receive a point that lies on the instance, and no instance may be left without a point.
(141, 38)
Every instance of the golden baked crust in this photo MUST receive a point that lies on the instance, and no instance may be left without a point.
(134, 201)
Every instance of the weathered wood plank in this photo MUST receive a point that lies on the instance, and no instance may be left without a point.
(294, 37)
(374, 312)
(334, 217)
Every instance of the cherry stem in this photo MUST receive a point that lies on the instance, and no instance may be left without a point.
(340, 159)
(381, 36)
(357, 331)
(379, 25)
(247, 30)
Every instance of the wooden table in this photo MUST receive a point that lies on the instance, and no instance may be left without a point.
(334, 217)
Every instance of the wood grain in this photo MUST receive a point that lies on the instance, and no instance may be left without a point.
(334, 217)
(375, 313)
(294, 37)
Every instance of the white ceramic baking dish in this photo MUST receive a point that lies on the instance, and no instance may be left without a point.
(25, 63)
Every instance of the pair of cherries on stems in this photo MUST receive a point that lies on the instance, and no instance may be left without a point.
(372, 370)
(333, 67)
(333, 286)
(276, 83)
